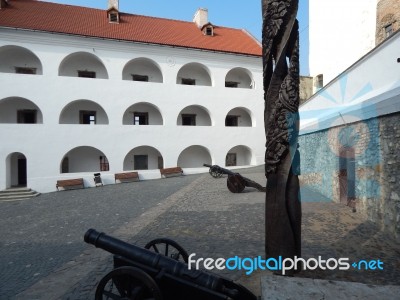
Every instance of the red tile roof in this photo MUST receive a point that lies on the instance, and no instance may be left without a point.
(76, 20)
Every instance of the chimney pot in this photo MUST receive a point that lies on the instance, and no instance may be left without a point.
(201, 17)
(113, 4)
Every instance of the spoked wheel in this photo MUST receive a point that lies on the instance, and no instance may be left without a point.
(215, 172)
(128, 283)
(235, 183)
(168, 248)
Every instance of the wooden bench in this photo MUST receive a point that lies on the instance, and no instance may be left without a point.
(70, 183)
(126, 177)
(171, 172)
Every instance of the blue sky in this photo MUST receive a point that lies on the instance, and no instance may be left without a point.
(236, 14)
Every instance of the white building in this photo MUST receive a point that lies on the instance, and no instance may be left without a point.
(86, 90)
(340, 32)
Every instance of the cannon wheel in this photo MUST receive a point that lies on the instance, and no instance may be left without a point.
(215, 172)
(235, 183)
(128, 283)
(168, 248)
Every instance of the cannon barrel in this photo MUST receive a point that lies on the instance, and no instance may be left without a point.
(219, 169)
(154, 260)
(236, 182)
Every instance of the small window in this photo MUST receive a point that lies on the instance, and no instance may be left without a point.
(113, 17)
(209, 31)
(188, 120)
(26, 116)
(141, 162)
(188, 81)
(140, 118)
(87, 74)
(87, 117)
(104, 164)
(136, 77)
(230, 160)
(22, 70)
(231, 121)
(388, 30)
(231, 84)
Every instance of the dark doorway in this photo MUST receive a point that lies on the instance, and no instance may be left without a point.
(26, 116)
(22, 174)
(230, 160)
(87, 117)
(140, 118)
(65, 165)
(188, 120)
(347, 173)
(141, 162)
(231, 120)
(104, 164)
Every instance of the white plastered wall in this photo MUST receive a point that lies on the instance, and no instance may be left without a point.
(46, 144)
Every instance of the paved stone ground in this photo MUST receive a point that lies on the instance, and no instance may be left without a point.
(43, 234)
(295, 288)
(197, 211)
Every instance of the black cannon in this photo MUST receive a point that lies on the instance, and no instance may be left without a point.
(142, 274)
(235, 182)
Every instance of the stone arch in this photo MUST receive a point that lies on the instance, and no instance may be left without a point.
(239, 78)
(239, 156)
(81, 112)
(239, 117)
(194, 115)
(143, 112)
(16, 59)
(142, 69)
(143, 158)
(78, 64)
(16, 170)
(84, 159)
(194, 74)
(194, 157)
(20, 110)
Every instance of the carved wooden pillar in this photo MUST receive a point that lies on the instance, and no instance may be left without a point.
(282, 160)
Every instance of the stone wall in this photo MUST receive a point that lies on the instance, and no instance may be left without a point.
(388, 13)
(390, 175)
(363, 156)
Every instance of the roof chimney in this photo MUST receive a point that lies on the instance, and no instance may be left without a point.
(112, 11)
(201, 17)
(3, 3)
(113, 4)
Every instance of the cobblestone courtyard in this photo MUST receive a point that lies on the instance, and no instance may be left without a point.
(43, 255)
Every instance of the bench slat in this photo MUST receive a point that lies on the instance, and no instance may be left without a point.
(70, 182)
(126, 177)
(169, 172)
